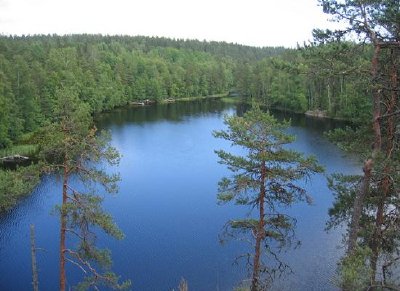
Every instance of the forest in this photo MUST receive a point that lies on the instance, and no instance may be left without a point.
(349, 78)
(110, 71)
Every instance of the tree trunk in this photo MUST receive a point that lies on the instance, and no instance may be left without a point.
(376, 100)
(358, 206)
(367, 169)
(256, 264)
(260, 235)
(379, 220)
(386, 183)
(35, 280)
(393, 103)
(63, 228)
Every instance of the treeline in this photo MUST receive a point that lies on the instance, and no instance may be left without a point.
(330, 77)
(104, 71)
(110, 71)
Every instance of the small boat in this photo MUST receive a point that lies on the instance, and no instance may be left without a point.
(14, 159)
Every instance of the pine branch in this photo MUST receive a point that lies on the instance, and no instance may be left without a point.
(76, 264)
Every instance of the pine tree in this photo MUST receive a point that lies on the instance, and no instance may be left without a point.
(265, 178)
(370, 207)
(73, 148)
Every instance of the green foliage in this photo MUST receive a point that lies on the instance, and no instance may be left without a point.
(358, 140)
(263, 137)
(16, 184)
(108, 277)
(344, 188)
(355, 270)
(28, 150)
(337, 79)
(332, 77)
(369, 206)
(106, 72)
(265, 178)
(70, 146)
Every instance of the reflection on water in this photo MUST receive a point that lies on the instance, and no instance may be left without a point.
(173, 112)
(167, 207)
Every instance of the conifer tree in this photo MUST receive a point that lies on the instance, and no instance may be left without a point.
(369, 204)
(73, 149)
(266, 177)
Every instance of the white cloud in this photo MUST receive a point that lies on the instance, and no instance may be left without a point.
(252, 22)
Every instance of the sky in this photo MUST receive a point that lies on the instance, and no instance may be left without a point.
(249, 22)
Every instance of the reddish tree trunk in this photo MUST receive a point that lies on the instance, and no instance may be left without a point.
(256, 265)
(392, 103)
(358, 206)
(63, 229)
(260, 235)
(386, 183)
(376, 100)
(367, 169)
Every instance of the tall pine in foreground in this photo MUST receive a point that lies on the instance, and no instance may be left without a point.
(73, 149)
(267, 178)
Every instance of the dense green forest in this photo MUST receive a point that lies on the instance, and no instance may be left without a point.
(104, 72)
(111, 71)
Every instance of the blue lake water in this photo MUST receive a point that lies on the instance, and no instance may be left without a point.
(168, 210)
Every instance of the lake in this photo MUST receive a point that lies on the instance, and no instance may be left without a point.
(168, 210)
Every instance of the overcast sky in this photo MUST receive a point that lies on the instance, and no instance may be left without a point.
(250, 22)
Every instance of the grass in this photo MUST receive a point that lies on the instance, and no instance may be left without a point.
(195, 98)
(232, 100)
(23, 150)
